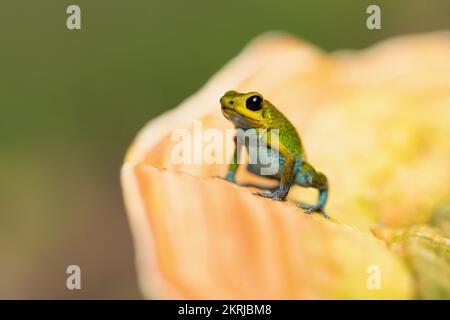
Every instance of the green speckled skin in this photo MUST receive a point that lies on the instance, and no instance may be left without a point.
(288, 135)
(251, 111)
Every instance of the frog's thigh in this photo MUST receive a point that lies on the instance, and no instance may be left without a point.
(306, 176)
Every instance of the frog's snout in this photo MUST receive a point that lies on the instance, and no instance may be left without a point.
(226, 102)
(227, 99)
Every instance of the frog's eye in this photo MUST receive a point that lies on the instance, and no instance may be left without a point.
(254, 103)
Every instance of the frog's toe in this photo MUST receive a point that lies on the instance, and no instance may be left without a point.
(309, 209)
(274, 195)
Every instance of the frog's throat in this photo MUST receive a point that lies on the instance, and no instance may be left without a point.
(241, 121)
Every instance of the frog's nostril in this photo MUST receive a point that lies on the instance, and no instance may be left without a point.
(231, 102)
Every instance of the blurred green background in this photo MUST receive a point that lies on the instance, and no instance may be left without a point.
(72, 101)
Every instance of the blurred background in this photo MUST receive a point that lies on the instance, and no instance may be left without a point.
(72, 102)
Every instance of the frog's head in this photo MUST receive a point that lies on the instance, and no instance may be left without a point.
(245, 110)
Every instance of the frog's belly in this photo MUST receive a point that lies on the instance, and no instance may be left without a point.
(265, 162)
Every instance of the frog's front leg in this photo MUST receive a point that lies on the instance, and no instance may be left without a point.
(231, 173)
(286, 179)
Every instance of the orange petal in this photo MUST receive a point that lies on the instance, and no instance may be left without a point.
(365, 119)
(200, 238)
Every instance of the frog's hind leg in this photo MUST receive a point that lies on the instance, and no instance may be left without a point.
(309, 178)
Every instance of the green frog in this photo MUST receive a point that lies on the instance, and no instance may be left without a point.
(256, 116)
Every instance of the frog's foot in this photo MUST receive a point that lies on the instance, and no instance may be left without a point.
(309, 209)
(274, 195)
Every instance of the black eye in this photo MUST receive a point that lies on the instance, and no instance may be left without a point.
(254, 103)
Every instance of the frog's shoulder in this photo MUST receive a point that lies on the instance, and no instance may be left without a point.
(289, 135)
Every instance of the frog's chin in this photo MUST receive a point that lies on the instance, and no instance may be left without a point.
(239, 120)
(227, 114)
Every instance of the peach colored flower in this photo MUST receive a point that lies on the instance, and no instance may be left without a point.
(375, 121)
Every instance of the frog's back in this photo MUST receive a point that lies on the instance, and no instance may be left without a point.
(289, 136)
